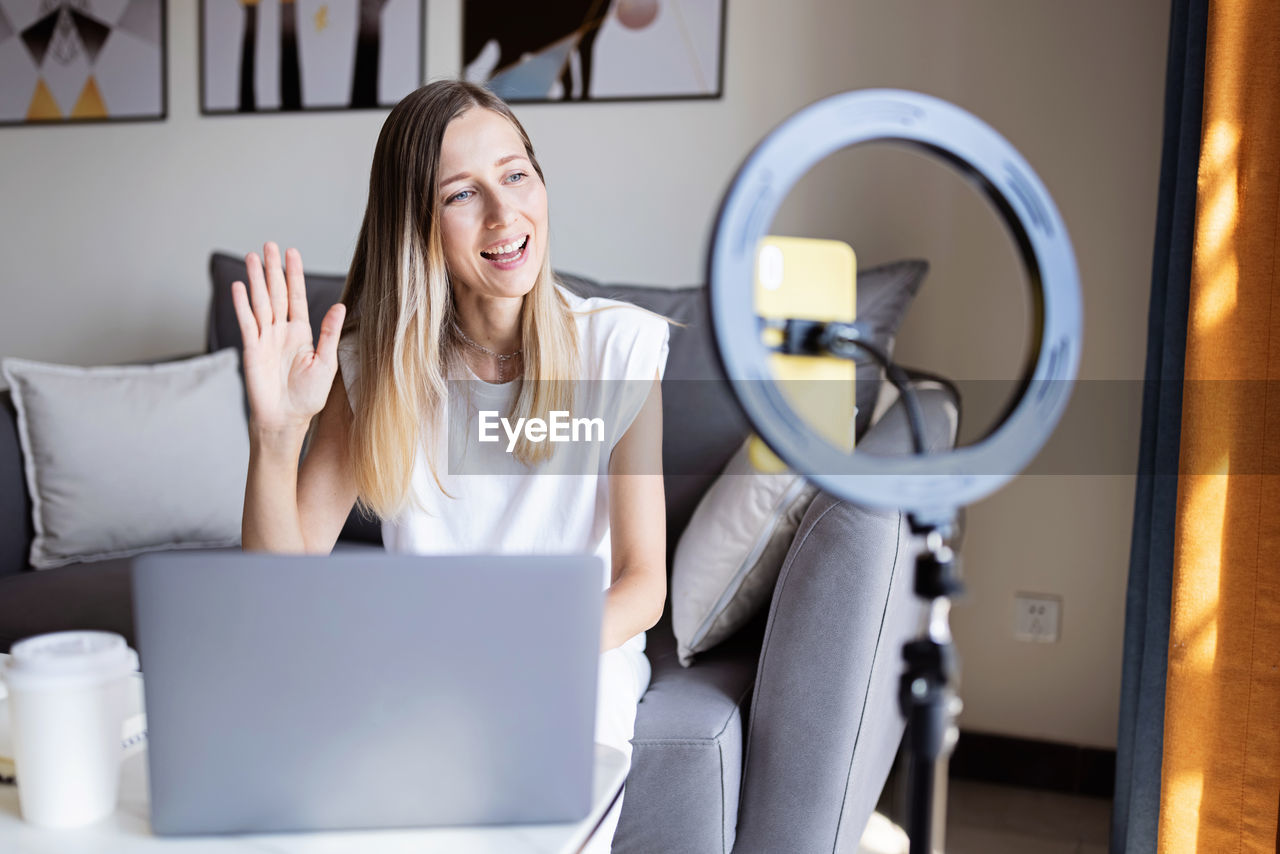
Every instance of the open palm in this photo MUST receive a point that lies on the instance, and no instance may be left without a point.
(287, 376)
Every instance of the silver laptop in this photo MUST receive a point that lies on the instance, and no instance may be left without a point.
(367, 689)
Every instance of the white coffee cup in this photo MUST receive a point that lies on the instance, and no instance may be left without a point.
(67, 702)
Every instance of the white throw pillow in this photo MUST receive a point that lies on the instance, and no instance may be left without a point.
(729, 556)
(123, 460)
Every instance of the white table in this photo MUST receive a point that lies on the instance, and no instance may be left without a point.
(128, 830)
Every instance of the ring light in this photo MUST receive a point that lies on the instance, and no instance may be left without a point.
(935, 482)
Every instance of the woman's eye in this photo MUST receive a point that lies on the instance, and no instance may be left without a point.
(457, 197)
(515, 177)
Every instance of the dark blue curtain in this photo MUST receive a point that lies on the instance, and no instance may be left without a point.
(1146, 635)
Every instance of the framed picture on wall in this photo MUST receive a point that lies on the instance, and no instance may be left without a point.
(595, 50)
(73, 61)
(271, 56)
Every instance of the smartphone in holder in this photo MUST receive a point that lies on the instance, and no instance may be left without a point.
(810, 279)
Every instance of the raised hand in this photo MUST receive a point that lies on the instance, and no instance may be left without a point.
(286, 376)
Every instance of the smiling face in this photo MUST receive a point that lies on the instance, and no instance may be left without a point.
(492, 206)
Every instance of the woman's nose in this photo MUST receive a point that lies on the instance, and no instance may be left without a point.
(500, 213)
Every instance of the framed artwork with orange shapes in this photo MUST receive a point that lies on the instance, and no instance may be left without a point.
(75, 61)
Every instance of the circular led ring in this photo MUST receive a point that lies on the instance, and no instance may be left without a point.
(940, 481)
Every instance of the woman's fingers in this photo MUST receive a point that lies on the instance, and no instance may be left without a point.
(244, 314)
(330, 332)
(297, 288)
(258, 291)
(276, 284)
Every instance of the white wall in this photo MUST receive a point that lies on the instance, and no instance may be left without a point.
(1078, 89)
(119, 219)
(105, 232)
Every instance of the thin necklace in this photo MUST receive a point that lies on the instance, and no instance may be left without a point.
(502, 358)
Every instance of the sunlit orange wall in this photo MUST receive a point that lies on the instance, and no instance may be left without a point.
(1221, 773)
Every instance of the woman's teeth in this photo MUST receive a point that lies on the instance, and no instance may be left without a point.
(508, 251)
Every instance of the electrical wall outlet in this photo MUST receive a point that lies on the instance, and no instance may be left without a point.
(1037, 617)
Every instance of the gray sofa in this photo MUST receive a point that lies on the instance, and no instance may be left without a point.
(780, 739)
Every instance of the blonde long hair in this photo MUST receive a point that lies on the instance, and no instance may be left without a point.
(400, 304)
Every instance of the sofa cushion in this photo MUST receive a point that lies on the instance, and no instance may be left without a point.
(686, 767)
(108, 458)
(79, 596)
(729, 555)
(95, 595)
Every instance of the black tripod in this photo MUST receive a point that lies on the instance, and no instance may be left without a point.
(925, 692)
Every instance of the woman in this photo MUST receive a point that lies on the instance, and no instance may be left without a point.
(451, 279)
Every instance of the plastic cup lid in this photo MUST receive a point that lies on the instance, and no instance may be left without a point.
(68, 658)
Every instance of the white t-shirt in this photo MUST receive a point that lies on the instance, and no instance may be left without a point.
(560, 506)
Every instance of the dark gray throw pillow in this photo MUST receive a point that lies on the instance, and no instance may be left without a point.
(885, 293)
(323, 290)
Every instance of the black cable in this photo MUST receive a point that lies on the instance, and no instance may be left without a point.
(918, 375)
(837, 338)
(816, 338)
(900, 380)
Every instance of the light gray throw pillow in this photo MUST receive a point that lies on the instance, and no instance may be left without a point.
(729, 556)
(123, 460)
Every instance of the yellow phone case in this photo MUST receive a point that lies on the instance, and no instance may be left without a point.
(811, 279)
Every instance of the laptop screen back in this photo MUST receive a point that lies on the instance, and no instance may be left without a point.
(366, 690)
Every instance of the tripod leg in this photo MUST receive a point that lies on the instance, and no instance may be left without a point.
(929, 734)
(940, 803)
(921, 821)
(925, 695)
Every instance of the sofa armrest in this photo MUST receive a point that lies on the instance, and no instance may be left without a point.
(824, 725)
(686, 767)
(939, 401)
